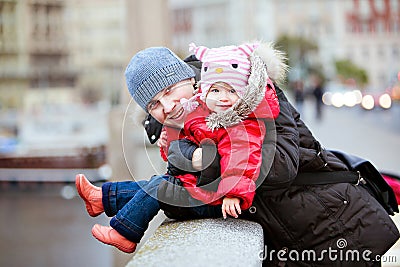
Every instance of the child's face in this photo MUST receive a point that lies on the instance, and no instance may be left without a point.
(220, 97)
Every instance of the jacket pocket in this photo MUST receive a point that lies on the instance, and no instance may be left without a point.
(332, 198)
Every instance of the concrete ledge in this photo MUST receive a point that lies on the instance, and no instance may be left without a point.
(205, 242)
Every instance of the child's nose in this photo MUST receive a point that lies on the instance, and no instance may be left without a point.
(224, 98)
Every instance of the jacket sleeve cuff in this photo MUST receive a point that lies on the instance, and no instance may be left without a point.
(241, 188)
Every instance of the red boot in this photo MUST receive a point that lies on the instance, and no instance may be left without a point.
(90, 194)
(110, 236)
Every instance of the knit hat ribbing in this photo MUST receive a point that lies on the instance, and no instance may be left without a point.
(153, 69)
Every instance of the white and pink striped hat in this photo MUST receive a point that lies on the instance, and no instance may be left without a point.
(229, 64)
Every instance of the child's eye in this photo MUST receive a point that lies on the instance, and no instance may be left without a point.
(233, 91)
(214, 90)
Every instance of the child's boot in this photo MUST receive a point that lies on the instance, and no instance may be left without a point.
(110, 236)
(90, 194)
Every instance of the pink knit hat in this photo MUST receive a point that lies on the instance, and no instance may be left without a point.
(229, 64)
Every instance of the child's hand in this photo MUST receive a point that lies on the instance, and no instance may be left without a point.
(162, 141)
(230, 206)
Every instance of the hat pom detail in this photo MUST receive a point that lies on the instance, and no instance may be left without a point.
(189, 104)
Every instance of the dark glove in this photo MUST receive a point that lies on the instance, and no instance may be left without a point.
(211, 173)
(180, 154)
(153, 128)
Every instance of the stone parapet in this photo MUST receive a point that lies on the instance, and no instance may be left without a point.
(204, 242)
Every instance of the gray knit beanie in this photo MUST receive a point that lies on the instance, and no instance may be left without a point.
(153, 69)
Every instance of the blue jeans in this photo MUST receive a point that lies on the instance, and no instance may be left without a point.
(134, 205)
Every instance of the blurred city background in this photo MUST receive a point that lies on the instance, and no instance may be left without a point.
(65, 109)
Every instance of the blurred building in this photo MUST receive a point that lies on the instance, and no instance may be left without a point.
(220, 22)
(96, 37)
(365, 32)
(83, 45)
(62, 64)
(33, 51)
(86, 45)
(148, 23)
(372, 40)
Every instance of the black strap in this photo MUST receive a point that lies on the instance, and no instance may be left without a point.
(319, 178)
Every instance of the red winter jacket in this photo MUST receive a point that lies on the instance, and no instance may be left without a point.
(239, 146)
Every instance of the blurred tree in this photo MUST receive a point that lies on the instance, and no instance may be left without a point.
(346, 69)
(299, 53)
(296, 47)
(316, 71)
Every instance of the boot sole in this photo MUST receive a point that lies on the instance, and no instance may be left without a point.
(118, 246)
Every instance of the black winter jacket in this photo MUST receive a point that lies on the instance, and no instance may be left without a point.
(315, 218)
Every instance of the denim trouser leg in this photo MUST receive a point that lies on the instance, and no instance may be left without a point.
(117, 194)
(133, 217)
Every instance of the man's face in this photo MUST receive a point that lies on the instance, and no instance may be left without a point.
(220, 97)
(166, 107)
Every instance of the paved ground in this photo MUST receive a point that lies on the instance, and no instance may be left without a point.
(374, 135)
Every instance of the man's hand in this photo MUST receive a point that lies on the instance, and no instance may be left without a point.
(231, 206)
(162, 141)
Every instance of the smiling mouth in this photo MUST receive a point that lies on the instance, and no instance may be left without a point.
(177, 114)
